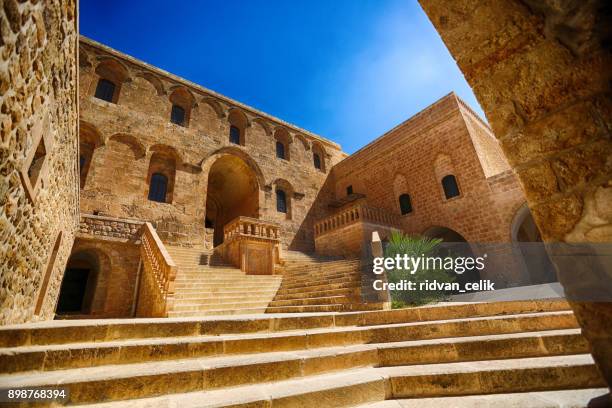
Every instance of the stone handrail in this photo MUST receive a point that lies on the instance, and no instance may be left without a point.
(156, 291)
(251, 227)
(356, 213)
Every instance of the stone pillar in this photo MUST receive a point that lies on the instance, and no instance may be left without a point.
(541, 71)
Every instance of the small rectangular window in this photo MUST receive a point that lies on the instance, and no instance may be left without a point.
(349, 190)
(177, 116)
(234, 135)
(280, 150)
(317, 161)
(281, 201)
(105, 90)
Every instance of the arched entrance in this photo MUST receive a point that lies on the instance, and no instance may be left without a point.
(78, 284)
(454, 244)
(526, 235)
(233, 191)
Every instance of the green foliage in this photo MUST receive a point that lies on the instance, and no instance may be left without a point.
(413, 246)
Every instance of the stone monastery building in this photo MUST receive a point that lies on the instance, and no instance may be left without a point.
(220, 183)
(163, 245)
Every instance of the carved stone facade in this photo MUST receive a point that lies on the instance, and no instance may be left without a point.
(39, 197)
(130, 142)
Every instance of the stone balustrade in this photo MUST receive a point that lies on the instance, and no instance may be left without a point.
(252, 245)
(356, 213)
(156, 290)
(251, 227)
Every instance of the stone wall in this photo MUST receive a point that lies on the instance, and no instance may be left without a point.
(133, 133)
(445, 138)
(542, 75)
(39, 184)
(115, 263)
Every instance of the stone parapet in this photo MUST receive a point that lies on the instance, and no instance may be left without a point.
(110, 228)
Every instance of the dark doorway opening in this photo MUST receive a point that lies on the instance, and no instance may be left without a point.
(72, 292)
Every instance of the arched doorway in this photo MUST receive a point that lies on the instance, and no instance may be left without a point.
(454, 244)
(78, 284)
(232, 191)
(526, 236)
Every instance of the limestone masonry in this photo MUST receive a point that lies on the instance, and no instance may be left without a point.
(202, 232)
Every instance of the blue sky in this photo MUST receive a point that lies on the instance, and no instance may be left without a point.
(348, 70)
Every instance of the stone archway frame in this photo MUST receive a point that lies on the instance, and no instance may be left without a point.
(208, 162)
(102, 263)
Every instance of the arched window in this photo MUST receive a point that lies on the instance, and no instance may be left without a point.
(317, 160)
(281, 201)
(234, 135)
(158, 188)
(177, 116)
(449, 184)
(105, 90)
(405, 204)
(280, 150)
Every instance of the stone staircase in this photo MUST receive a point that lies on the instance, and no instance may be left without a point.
(206, 285)
(314, 283)
(525, 354)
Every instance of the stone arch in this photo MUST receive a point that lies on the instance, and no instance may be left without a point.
(137, 147)
(90, 134)
(454, 243)
(112, 69)
(318, 150)
(239, 120)
(530, 249)
(83, 288)
(281, 135)
(154, 81)
(401, 188)
(289, 191)
(169, 151)
(264, 125)
(233, 188)
(215, 105)
(181, 97)
(304, 141)
(162, 169)
(89, 140)
(230, 150)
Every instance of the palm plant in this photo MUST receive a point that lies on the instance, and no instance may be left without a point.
(414, 246)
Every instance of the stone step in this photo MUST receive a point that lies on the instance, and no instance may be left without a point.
(321, 282)
(226, 296)
(74, 331)
(309, 371)
(217, 312)
(318, 288)
(312, 275)
(222, 300)
(89, 354)
(591, 397)
(190, 374)
(225, 291)
(338, 307)
(246, 304)
(327, 300)
(355, 291)
(245, 285)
